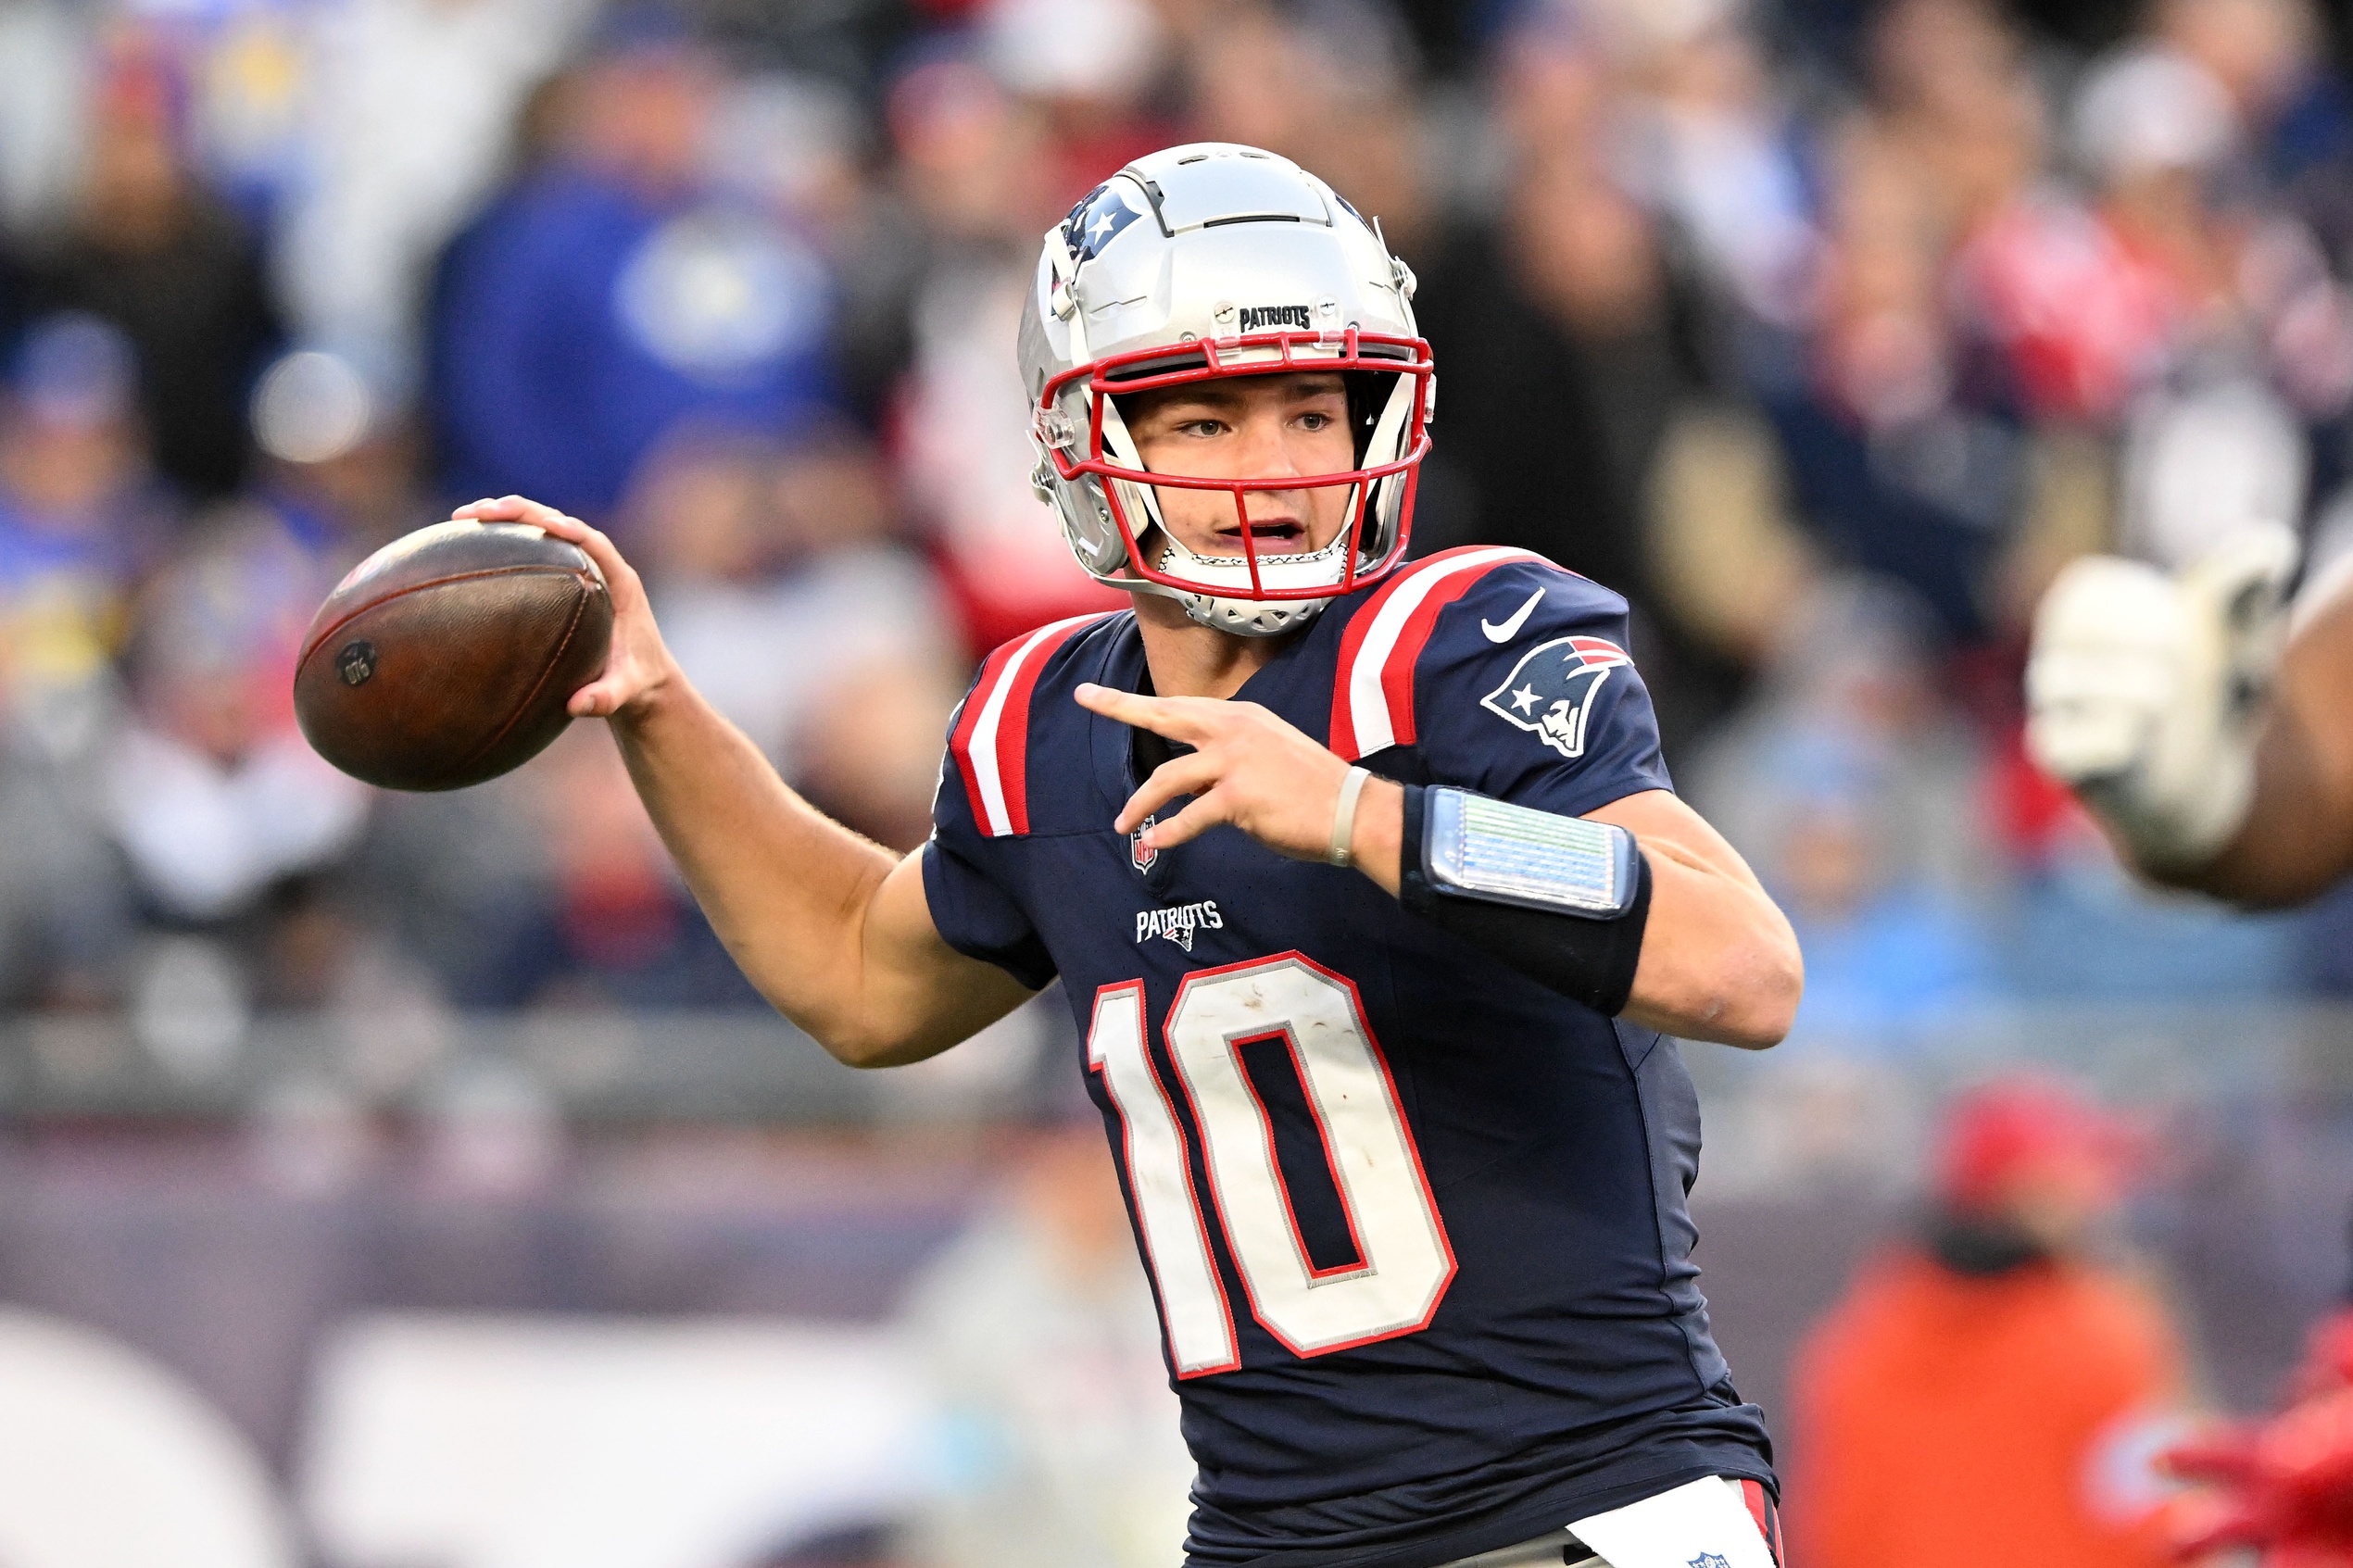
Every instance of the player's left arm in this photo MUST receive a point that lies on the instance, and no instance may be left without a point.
(1717, 962)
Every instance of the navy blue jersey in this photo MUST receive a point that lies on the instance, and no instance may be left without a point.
(1415, 1224)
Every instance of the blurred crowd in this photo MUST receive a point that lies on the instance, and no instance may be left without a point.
(1826, 333)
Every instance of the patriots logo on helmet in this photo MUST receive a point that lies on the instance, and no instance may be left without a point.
(1710, 1559)
(1097, 221)
(1550, 692)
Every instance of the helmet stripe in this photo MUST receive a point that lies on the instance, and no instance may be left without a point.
(1373, 703)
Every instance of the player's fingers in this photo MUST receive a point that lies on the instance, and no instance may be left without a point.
(598, 547)
(1174, 717)
(1207, 812)
(1183, 775)
(591, 701)
(507, 508)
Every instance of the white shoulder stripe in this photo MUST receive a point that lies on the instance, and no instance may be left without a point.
(997, 819)
(1368, 708)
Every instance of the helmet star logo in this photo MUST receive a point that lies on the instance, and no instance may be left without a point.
(1098, 220)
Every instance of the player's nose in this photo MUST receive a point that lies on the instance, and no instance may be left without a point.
(1267, 449)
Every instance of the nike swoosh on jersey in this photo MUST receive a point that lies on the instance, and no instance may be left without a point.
(1510, 629)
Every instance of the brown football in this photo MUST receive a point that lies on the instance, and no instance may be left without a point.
(446, 658)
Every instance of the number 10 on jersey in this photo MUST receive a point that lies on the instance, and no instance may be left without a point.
(1403, 1262)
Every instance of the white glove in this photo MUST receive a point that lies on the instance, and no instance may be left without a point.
(2143, 690)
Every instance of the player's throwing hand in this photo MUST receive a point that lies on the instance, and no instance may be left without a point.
(639, 665)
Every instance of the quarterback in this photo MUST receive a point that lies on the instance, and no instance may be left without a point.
(1365, 884)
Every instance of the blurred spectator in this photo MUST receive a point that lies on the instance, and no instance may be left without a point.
(405, 110)
(1718, 153)
(979, 187)
(1330, 85)
(2268, 55)
(1567, 346)
(1990, 1385)
(211, 792)
(606, 295)
(1058, 1445)
(787, 602)
(79, 519)
(613, 925)
(148, 248)
(1891, 468)
(1086, 65)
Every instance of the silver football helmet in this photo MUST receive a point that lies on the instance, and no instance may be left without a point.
(1206, 260)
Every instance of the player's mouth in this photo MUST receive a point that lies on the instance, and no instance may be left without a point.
(1280, 530)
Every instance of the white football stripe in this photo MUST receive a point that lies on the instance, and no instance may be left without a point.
(1367, 706)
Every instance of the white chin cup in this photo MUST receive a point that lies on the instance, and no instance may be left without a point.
(1239, 613)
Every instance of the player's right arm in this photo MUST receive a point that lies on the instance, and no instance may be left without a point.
(2158, 700)
(833, 929)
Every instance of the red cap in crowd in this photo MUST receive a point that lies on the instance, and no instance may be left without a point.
(2026, 1135)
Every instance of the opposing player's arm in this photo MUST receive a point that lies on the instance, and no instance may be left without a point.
(2212, 766)
(833, 929)
(2297, 839)
(1717, 961)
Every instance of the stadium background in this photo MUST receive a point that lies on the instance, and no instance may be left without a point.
(408, 1181)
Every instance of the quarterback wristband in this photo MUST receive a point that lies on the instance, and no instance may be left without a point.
(1559, 898)
(1344, 818)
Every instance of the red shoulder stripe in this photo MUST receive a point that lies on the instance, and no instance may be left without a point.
(991, 741)
(1373, 699)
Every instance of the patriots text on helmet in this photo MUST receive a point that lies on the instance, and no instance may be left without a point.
(1266, 318)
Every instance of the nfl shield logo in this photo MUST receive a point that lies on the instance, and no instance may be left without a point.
(1710, 1559)
(1142, 854)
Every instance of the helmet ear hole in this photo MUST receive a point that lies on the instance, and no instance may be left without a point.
(1368, 393)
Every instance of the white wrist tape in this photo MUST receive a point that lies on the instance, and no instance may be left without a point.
(1344, 817)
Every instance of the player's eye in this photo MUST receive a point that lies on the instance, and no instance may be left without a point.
(1313, 421)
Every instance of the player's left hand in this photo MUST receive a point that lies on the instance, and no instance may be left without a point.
(1248, 767)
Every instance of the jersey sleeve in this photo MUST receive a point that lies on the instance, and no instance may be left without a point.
(1525, 692)
(964, 882)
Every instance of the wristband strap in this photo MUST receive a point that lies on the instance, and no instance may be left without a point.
(1344, 817)
(1588, 957)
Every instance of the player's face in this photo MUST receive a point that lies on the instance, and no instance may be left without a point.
(1249, 427)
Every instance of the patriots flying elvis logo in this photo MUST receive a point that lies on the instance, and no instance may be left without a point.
(1550, 692)
(1097, 221)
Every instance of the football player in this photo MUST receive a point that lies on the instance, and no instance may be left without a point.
(1365, 884)
(2207, 728)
